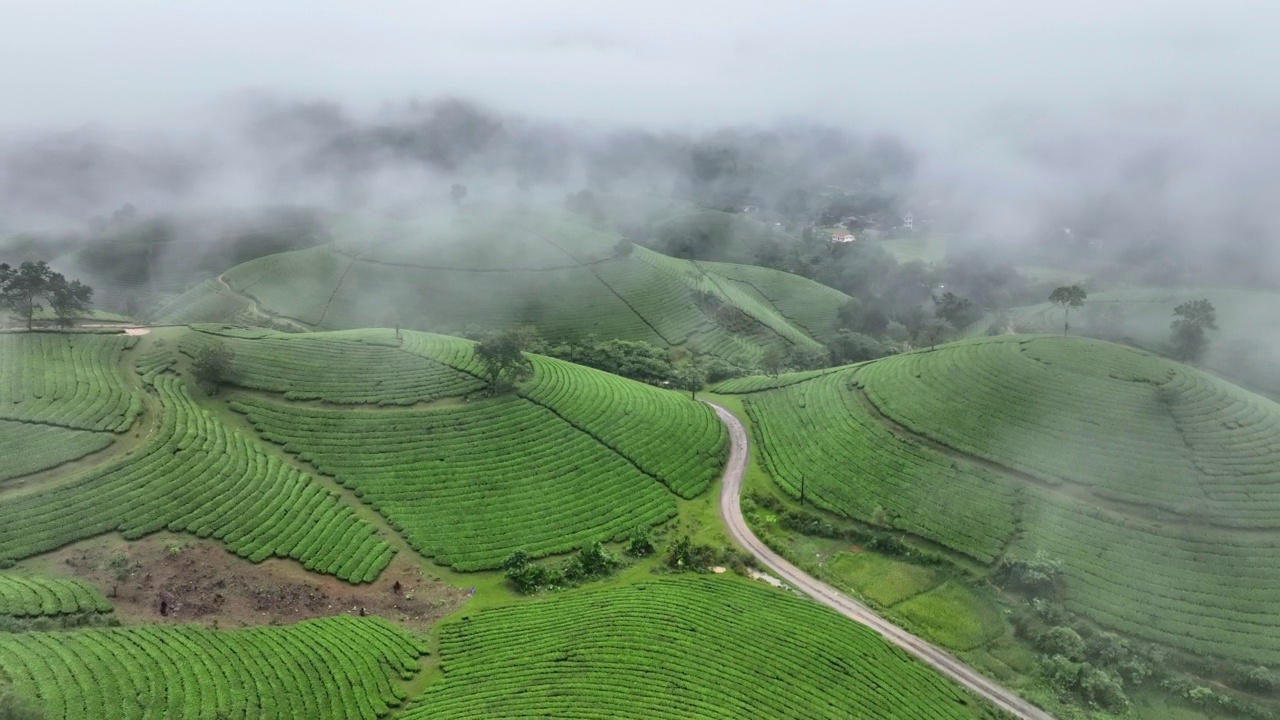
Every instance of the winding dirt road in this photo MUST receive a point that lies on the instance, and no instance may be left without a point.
(731, 511)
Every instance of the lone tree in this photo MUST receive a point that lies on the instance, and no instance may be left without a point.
(1191, 319)
(502, 357)
(691, 379)
(953, 309)
(23, 289)
(935, 328)
(1067, 297)
(774, 361)
(212, 366)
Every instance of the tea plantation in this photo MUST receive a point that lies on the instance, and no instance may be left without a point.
(691, 647)
(195, 474)
(22, 596)
(480, 271)
(339, 667)
(1153, 483)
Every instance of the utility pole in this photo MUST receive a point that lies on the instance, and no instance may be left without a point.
(802, 490)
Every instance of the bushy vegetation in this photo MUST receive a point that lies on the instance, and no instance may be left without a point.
(470, 485)
(591, 562)
(26, 596)
(819, 440)
(357, 367)
(194, 474)
(338, 667)
(634, 359)
(67, 380)
(681, 443)
(687, 647)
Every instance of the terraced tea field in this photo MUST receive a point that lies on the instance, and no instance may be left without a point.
(22, 596)
(818, 434)
(1152, 482)
(468, 486)
(339, 667)
(66, 380)
(480, 273)
(196, 475)
(690, 647)
(355, 367)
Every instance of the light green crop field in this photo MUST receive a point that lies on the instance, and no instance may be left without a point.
(1152, 482)
(208, 301)
(338, 667)
(195, 474)
(579, 456)
(1243, 349)
(67, 380)
(353, 367)
(490, 272)
(817, 434)
(690, 647)
(22, 596)
(469, 486)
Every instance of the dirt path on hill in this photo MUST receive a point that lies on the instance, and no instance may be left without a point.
(940, 660)
(260, 312)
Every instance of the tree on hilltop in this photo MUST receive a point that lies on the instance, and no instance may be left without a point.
(773, 362)
(1067, 297)
(1191, 319)
(25, 288)
(212, 366)
(502, 357)
(691, 379)
(957, 311)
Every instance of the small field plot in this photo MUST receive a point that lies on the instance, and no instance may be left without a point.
(195, 475)
(819, 437)
(883, 580)
(953, 616)
(27, 596)
(470, 485)
(339, 667)
(210, 301)
(68, 380)
(692, 647)
(28, 447)
(350, 367)
(666, 434)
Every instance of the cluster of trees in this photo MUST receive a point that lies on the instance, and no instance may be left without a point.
(26, 290)
(212, 365)
(591, 562)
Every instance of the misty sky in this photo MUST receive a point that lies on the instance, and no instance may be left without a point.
(919, 66)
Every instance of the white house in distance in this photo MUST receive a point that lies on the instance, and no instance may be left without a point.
(843, 238)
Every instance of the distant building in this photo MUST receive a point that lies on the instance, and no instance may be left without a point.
(909, 221)
(843, 238)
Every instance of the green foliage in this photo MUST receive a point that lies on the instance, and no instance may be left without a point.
(691, 379)
(24, 288)
(591, 562)
(819, 432)
(1062, 641)
(680, 443)
(674, 648)
(1067, 297)
(956, 311)
(1191, 319)
(634, 359)
(640, 544)
(212, 365)
(1104, 418)
(348, 367)
(24, 596)
(470, 485)
(502, 360)
(850, 347)
(1039, 577)
(70, 381)
(334, 667)
(773, 362)
(194, 474)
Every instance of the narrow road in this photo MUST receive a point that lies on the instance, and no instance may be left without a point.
(943, 662)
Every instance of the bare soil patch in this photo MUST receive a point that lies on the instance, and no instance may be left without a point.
(177, 579)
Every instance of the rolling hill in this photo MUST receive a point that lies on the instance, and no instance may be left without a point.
(480, 271)
(1153, 483)
(1243, 349)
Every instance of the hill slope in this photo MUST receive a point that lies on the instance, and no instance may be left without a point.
(1155, 484)
(679, 648)
(491, 271)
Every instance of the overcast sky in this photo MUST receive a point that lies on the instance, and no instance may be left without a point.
(921, 66)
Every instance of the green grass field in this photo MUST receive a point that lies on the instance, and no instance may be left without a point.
(1152, 482)
(691, 647)
(487, 272)
(339, 667)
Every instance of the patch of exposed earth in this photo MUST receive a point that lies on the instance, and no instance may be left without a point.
(179, 579)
